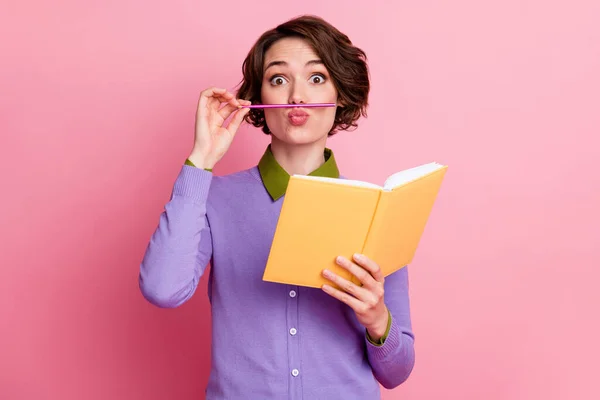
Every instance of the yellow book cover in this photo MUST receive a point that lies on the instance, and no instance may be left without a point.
(322, 218)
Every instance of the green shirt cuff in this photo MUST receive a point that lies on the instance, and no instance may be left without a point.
(385, 335)
(191, 164)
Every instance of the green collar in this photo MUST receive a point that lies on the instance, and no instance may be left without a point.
(276, 179)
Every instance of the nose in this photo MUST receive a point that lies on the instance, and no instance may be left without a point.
(297, 93)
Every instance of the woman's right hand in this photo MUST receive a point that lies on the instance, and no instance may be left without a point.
(212, 139)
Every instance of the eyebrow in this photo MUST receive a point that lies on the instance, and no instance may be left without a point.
(283, 63)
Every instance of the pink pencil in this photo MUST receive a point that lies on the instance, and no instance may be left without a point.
(307, 105)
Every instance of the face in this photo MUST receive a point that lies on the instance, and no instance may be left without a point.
(294, 74)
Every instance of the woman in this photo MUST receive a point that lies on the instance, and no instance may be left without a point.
(275, 341)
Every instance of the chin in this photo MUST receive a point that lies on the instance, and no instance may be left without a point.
(301, 135)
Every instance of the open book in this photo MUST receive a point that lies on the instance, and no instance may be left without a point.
(322, 218)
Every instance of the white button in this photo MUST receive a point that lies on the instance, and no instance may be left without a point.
(295, 372)
(293, 331)
(292, 293)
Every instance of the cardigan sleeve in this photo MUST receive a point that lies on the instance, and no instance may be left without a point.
(180, 248)
(392, 362)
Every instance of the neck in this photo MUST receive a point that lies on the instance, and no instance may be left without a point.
(298, 159)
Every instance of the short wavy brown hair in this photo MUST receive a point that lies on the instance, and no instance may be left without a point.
(345, 63)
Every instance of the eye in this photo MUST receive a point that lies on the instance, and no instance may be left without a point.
(317, 78)
(277, 80)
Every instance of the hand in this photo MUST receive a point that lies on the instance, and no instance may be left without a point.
(367, 300)
(212, 139)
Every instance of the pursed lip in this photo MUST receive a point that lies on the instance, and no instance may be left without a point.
(297, 113)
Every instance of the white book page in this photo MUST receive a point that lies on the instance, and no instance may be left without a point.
(338, 181)
(408, 175)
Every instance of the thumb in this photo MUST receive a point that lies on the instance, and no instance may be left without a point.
(237, 119)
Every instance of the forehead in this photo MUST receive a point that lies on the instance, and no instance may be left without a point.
(290, 50)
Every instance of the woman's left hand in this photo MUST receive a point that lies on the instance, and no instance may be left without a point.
(367, 300)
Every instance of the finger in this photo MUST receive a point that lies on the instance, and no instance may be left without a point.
(206, 94)
(226, 110)
(370, 266)
(360, 273)
(237, 120)
(344, 297)
(228, 98)
(213, 89)
(208, 97)
(351, 288)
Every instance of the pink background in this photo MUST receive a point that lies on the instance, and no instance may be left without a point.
(97, 102)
